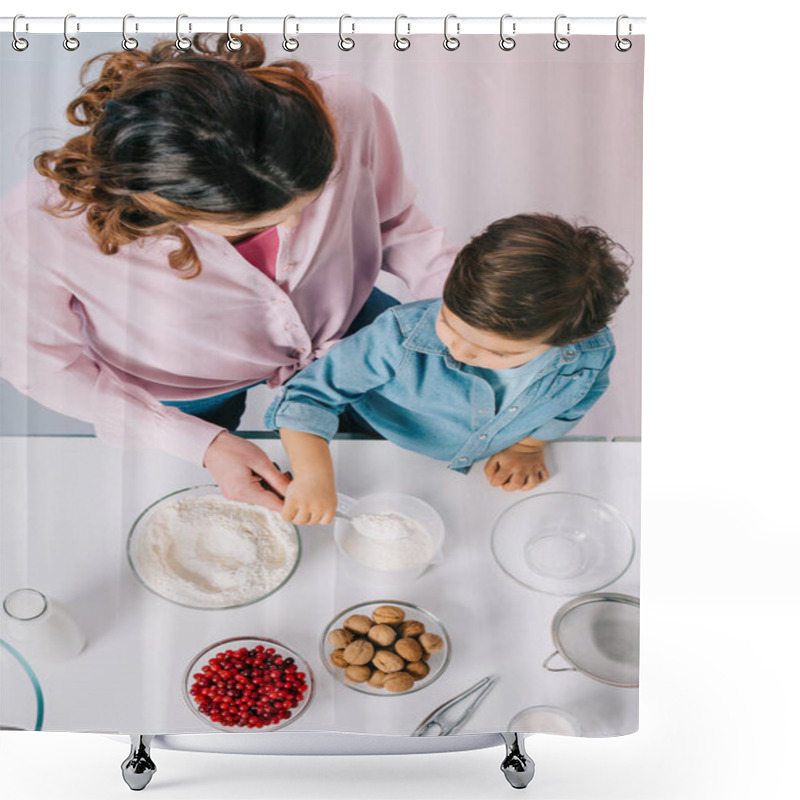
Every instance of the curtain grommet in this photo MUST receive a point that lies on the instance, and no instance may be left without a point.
(233, 44)
(70, 43)
(289, 43)
(401, 43)
(561, 43)
(622, 44)
(451, 43)
(346, 43)
(18, 42)
(128, 42)
(181, 42)
(507, 42)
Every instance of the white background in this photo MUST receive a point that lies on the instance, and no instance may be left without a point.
(720, 601)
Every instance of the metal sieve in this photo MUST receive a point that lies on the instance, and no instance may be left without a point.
(598, 636)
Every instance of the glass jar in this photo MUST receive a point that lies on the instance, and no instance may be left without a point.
(42, 627)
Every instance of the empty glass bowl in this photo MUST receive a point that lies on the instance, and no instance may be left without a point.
(562, 543)
(199, 668)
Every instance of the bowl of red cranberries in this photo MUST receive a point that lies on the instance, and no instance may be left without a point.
(248, 683)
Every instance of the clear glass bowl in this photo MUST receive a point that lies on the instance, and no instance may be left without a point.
(21, 698)
(250, 642)
(198, 491)
(437, 663)
(545, 719)
(562, 543)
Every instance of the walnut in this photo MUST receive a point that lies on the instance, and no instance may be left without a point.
(340, 638)
(418, 670)
(358, 673)
(359, 652)
(338, 659)
(409, 649)
(431, 642)
(378, 678)
(398, 682)
(388, 615)
(412, 627)
(358, 623)
(387, 661)
(384, 635)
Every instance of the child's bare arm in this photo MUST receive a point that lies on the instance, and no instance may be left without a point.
(521, 466)
(311, 496)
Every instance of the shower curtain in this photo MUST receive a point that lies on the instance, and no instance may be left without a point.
(137, 597)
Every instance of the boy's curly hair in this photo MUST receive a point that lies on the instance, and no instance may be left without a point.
(536, 275)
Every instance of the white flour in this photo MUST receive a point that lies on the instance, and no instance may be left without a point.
(388, 542)
(209, 552)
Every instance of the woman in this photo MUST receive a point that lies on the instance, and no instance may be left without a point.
(221, 223)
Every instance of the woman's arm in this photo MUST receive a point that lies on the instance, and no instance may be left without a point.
(45, 356)
(413, 249)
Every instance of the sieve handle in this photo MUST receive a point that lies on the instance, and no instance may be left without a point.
(556, 669)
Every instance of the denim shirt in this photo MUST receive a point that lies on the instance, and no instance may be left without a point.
(401, 379)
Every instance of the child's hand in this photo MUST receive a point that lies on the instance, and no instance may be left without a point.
(519, 467)
(311, 499)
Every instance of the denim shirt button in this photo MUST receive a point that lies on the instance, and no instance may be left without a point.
(512, 409)
(482, 436)
(463, 459)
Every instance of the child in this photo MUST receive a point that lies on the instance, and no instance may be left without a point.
(514, 354)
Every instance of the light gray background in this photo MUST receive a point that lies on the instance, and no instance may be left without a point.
(720, 701)
(485, 134)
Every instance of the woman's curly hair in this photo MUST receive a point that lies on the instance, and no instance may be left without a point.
(178, 136)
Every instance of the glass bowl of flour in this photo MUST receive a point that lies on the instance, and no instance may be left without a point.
(389, 535)
(198, 549)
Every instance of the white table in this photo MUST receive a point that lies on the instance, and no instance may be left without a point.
(67, 507)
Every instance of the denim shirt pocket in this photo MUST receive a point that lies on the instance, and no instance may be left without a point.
(567, 388)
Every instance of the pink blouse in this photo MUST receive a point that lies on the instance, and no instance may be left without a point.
(105, 338)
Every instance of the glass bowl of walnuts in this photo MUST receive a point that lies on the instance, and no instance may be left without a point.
(385, 648)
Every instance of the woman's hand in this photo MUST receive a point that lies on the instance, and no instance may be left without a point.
(238, 466)
(519, 467)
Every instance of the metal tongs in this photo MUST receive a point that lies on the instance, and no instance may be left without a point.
(450, 716)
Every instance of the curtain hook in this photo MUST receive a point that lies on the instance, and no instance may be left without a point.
(451, 42)
(507, 42)
(401, 42)
(128, 42)
(623, 45)
(70, 42)
(18, 43)
(290, 44)
(233, 44)
(181, 42)
(345, 42)
(561, 43)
